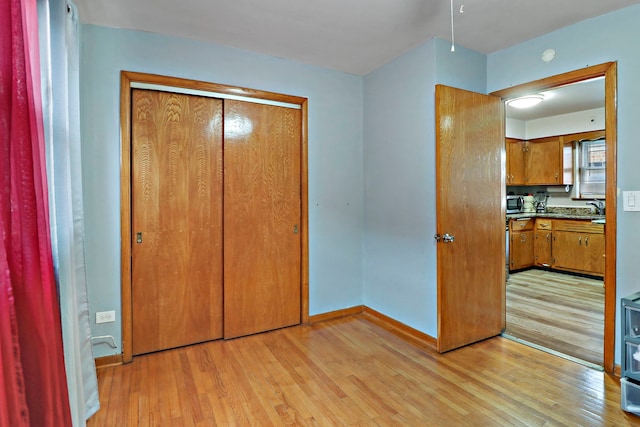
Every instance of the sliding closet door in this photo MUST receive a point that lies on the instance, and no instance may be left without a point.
(262, 197)
(176, 187)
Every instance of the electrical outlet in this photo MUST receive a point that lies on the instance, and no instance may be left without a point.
(105, 316)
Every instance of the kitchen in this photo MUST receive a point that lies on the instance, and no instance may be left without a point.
(555, 257)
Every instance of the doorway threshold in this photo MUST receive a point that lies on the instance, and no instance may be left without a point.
(554, 352)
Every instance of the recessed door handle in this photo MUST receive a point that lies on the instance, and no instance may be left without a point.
(138, 237)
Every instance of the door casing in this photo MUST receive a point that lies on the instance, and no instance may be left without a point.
(127, 78)
(609, 71)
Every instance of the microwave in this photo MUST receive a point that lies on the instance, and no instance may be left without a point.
(515, 204)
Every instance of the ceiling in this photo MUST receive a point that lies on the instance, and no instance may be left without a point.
(580, 96)
(354, 36)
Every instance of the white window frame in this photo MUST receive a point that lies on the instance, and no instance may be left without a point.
(590, 177)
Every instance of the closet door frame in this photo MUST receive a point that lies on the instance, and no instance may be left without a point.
(129, 79)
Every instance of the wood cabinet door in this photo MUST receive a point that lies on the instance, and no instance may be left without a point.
(515, 161)
(176, 204)
(521, 249)
(567, 250)
(542, 248)
(579, 246)
(544, 161)
(262, 217)
(594, 248)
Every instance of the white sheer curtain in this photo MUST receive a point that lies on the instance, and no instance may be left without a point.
(60, 85)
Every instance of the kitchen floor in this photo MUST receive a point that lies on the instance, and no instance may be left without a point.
(559, 312)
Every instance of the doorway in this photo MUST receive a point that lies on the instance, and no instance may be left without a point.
(608, 71)
(254, 105)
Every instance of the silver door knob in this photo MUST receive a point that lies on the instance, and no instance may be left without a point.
(447, 238)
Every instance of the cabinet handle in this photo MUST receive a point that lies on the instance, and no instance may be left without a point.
(557, 177)
(580, 241)
(586, 241)
(523, 238)
(549, 237)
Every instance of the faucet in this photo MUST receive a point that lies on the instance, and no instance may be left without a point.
(598, 205)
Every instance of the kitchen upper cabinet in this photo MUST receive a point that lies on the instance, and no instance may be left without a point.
(542, 161)
(542, 242)
(515, 149)
(578, 246)
(521, 248)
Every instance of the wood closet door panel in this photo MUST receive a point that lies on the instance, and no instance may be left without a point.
(177, 212)
(262, 197)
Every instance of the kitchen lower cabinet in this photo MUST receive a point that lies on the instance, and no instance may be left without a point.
(579, 246)
(542, 243)
(521, 248)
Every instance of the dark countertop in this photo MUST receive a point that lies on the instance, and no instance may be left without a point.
(552, 215)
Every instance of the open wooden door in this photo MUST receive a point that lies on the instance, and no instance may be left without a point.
(470, 189)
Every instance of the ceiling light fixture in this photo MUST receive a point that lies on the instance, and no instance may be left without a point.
(526, 101)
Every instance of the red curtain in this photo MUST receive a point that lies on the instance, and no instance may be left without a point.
(34, 389)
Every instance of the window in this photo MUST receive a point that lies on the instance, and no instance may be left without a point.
(591, 173)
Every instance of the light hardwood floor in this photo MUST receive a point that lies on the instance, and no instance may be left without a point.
(352, 371)
(558, 311)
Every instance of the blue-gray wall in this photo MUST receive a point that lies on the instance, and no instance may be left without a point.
(399, 172)
(611, 37)
(335, 155)
(371, 152)
(399, 255)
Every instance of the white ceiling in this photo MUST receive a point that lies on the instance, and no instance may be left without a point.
(571, 98)
(355, 36)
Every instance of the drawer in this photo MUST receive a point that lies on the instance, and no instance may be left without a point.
(578, 226)
(521, 224)
(632, 322)
(544, 224)
(629, 396)
(632, 358)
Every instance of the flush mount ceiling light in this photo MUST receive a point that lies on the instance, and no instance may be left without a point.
(525, 101)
